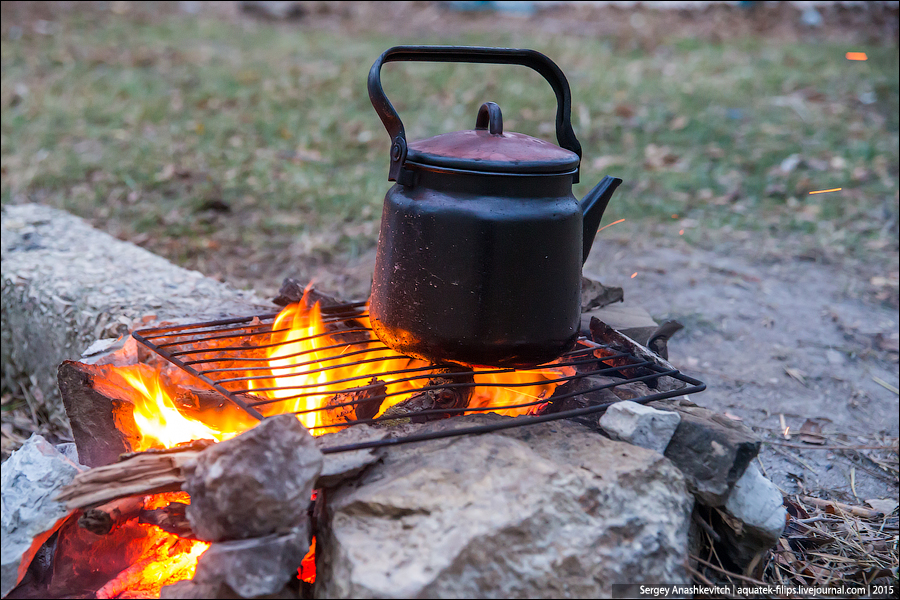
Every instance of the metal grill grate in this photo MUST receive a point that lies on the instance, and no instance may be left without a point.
(232, 357)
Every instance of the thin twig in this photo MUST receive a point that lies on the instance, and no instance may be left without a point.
(706, 527)
(705, 579)
(726, 572)
(859, 511)
(816, 447)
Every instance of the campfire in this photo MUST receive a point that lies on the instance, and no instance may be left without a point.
(185, 387)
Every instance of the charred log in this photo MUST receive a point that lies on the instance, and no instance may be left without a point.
(293, 291)
(171, 518)
(447, 391)
(357, 404)
(616, 343)
(109, 517)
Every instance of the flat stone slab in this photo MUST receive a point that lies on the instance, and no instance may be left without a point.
(552, 510)
(66, 285)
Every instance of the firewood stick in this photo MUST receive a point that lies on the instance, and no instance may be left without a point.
(110, 516)
(143, 474)
(859, 511)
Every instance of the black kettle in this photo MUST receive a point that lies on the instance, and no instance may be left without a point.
(482, 242)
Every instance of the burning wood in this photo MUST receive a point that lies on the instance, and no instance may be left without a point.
(357, 404)
(445, 392)
(104, 520)
(171, 518)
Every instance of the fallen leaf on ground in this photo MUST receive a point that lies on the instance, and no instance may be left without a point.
(797, 374)
(810, 430)
(885, 506)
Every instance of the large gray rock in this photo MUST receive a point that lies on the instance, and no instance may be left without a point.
(640, 425)
(31, 478)
(66, 284)
(550, 510)
(255, 484)
(254, 567)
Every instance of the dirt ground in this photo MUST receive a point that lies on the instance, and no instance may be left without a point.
(774, 340)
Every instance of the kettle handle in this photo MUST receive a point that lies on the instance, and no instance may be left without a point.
(469, 54)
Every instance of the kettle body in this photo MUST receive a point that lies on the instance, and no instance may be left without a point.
(479, 269)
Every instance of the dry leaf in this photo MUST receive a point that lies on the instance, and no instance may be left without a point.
(166, 173)
(307, 154)
(797, 374)
(657, 157)
(810, 430)
(885, 506)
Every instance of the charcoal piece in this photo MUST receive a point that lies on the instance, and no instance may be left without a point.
(596, 295)
(293, 291)
(580, 393)
(366, 403)
(711, 450)
(171, 518)
(442, 397)
(254, 484)
(254, 567)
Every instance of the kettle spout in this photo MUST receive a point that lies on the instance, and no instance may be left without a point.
(592, 207)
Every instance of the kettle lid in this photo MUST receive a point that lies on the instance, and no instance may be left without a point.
(489, 149)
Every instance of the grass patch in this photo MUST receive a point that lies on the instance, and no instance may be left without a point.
(255, 144)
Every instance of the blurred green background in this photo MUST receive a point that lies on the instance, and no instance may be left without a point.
(245, 146)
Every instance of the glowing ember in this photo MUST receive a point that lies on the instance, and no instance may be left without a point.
(307, 570)
(610, 225)
(825, 191)
(856, 56)
(164, 558)
(633, 275)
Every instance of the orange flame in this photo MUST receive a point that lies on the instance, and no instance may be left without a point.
(158, 420)
(307, 365)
